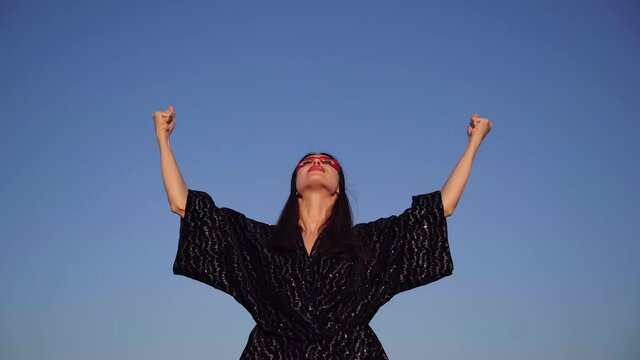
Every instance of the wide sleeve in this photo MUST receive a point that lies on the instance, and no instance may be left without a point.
(214, 246)
(410, 249)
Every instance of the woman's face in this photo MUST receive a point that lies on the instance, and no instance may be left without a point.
(318, 173)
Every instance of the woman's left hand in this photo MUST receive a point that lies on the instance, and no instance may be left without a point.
(478, 128)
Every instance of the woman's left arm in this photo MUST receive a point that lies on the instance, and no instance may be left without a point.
(452, 190)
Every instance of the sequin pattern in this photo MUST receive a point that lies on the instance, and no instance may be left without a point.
(306, 306)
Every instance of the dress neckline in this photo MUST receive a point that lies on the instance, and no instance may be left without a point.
(315, 243)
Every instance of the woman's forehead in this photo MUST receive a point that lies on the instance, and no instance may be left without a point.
(318, 155)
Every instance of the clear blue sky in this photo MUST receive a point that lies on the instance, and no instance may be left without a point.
(544, 240)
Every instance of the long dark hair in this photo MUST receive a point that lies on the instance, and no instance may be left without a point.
(339, 240)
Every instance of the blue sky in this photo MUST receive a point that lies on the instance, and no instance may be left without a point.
(544, 239)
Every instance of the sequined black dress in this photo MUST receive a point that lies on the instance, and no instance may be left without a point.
(306, 306)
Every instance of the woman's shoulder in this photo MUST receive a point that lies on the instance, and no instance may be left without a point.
(374, 225)
(248, 224)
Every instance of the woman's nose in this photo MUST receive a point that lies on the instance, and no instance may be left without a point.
(316, 161)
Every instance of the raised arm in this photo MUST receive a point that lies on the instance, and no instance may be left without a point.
(452, 189)
(165, 122)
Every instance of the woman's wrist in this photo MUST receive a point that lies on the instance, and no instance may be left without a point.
(473, 144)
(163, 141)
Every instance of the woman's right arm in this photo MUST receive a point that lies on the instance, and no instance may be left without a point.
(172, 178)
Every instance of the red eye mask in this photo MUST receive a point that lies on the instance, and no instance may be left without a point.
(323, 159)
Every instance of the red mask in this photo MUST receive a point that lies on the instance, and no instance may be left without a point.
(323, 159)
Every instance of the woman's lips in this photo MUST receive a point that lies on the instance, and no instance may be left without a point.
(316, 167)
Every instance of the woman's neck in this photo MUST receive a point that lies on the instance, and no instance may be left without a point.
(315, 209)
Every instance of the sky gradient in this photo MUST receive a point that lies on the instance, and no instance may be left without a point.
(544, 240)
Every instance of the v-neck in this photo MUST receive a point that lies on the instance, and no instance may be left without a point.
(309, 254)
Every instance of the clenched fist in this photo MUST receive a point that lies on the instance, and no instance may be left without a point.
(164, 122)
(478, 128)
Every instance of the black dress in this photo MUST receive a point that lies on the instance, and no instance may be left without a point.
(307, 306)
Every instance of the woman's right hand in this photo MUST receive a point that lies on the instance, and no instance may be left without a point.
(164, 122)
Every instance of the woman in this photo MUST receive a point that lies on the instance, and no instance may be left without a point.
(313, 281)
